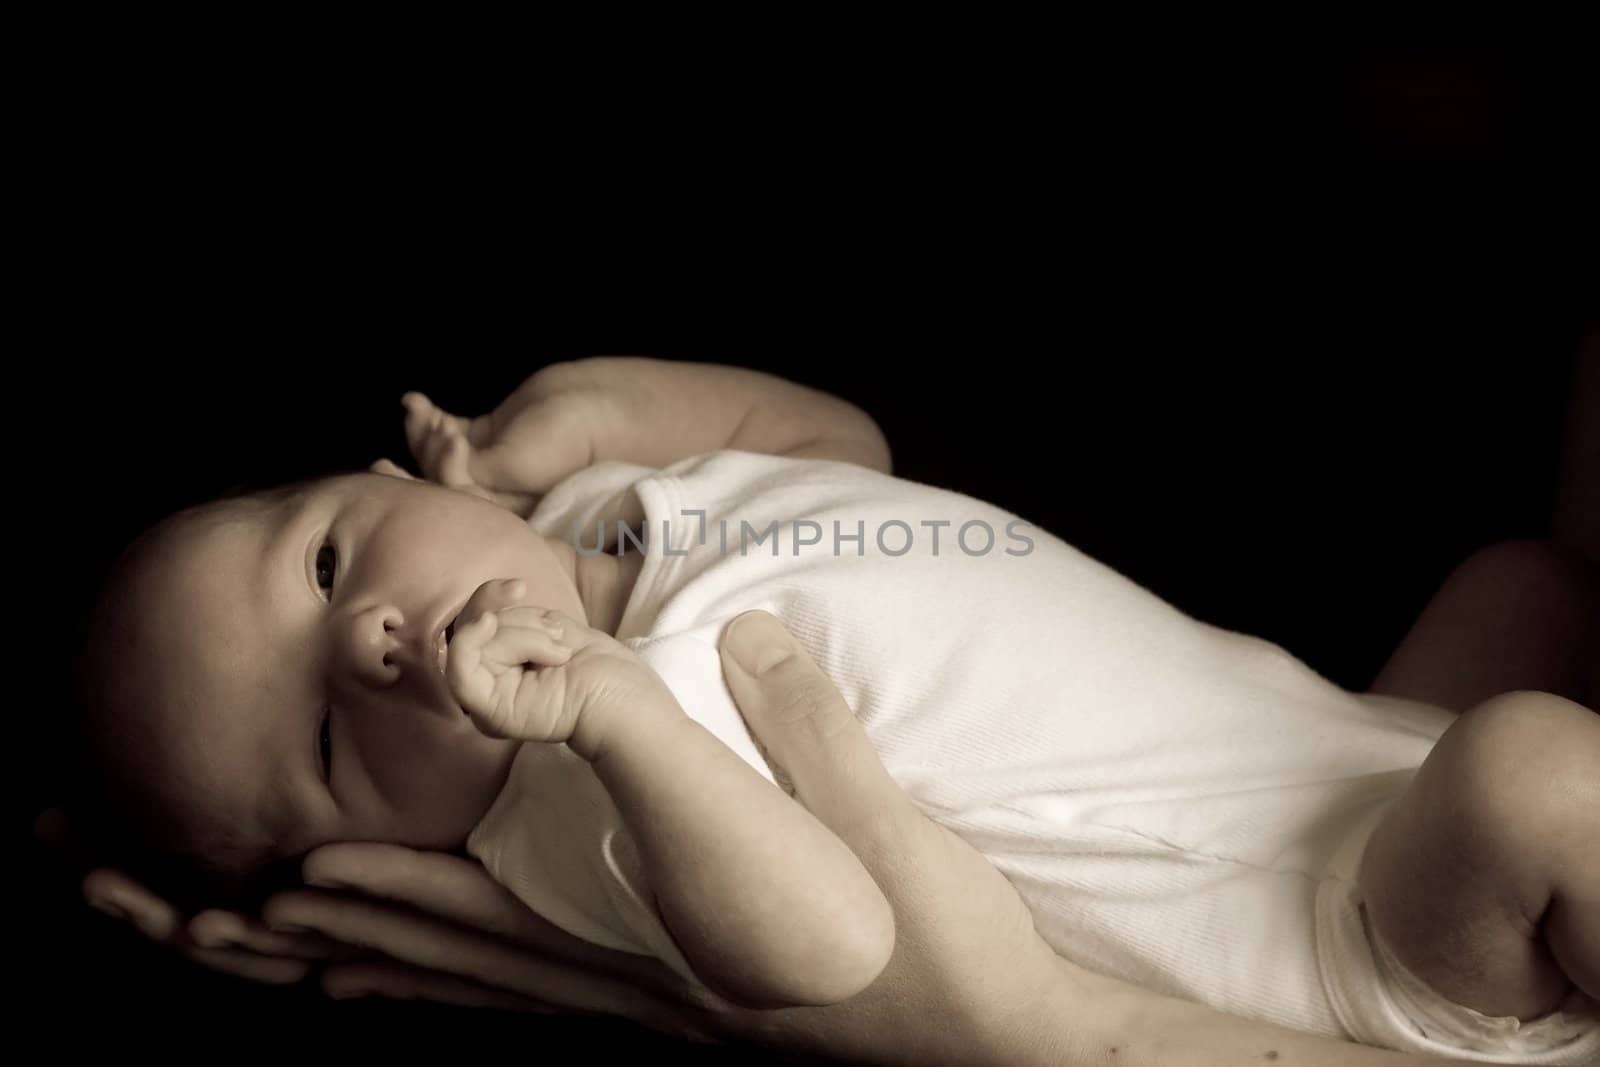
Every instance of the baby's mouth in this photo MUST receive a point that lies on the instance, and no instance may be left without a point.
(445, 637)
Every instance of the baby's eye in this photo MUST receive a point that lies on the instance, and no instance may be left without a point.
(327, 566)
(326, 744)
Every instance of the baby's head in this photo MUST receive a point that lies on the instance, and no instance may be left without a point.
(262, 674)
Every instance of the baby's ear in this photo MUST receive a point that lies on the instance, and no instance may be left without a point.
(392, 469)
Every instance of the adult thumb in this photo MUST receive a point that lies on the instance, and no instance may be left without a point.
(805, 727)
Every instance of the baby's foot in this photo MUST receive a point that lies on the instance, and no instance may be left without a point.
(441, 443)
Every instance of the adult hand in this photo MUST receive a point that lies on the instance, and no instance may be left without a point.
(964, 985)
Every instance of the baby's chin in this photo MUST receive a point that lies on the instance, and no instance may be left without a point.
(467, 804)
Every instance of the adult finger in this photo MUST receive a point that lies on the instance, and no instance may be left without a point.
(805, 727)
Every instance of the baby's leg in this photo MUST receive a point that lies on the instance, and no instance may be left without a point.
(1484, 881)
(1521, 614)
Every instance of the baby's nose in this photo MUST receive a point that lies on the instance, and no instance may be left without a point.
(373, 647)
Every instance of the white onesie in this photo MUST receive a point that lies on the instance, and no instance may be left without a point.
(1176, 803)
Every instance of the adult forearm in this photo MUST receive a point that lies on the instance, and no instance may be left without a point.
(1088, 1021)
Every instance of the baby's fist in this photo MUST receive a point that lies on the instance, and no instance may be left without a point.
(534, 674)
(494, 665)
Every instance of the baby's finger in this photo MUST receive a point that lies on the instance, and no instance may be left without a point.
(494, 642)
(470, 681)
(568, 632)
(490, 597)
(544, 620)
(486, 675)
(515, 644)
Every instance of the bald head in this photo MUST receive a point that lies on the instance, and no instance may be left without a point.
(139, 696)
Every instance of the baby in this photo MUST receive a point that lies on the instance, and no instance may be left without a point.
(529, 667)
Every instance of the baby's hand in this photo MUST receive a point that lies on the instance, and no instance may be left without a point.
(534, 674)
(539, 435)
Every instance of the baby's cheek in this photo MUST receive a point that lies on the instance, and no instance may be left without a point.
(459, 787)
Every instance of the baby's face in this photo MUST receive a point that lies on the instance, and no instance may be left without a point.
(300, 687)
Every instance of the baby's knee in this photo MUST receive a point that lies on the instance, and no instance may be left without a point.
(1522, 769)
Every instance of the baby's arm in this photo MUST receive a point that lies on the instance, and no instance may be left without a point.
(568, 416)
(768, 906)
(669, 410)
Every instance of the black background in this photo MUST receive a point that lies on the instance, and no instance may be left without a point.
(1280, 331)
